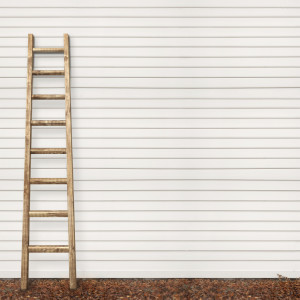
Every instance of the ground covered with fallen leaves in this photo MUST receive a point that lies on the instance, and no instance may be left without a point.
(148, 289)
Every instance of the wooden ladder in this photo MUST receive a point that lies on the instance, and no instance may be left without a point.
(28, 181)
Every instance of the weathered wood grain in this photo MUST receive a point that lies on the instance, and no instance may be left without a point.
(48, 213)
(48, 180)
(48, 248)
(48, 72)
(48, 123)
(70, 188)
(48, 97)
(48, 151)
(48, 50)
(27, 167)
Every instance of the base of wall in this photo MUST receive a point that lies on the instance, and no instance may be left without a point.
(155, 274)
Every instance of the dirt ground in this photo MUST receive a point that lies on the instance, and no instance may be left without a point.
(162, 289)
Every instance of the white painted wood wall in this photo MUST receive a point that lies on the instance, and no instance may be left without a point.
(186, 136)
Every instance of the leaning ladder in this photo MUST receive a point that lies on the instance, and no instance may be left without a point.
(28, 181)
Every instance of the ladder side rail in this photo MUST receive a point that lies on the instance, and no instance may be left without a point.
(27, 169)
(70, 187)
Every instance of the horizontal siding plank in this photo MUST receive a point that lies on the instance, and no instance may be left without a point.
(152, 163)
(155, 103)
(161, 205)
(156, 32)
(164, 83)
(151, 62)
(163, 124)
(192, 246)
(167, 52)
(183, 216)
(62, 237)
(186, 133)
(115, 195)
(84, 41)
(86, 175)
(92, 93)
(149, 12)
(160, 3)
(95, 226)
(203, 72)
(163, 256)
(168, 153)
(166, 185)
(173, 144)
(85, 22)
(170, 113)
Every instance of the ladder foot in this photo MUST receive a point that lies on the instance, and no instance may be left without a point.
(73, 285)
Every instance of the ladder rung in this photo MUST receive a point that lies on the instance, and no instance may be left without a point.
(48, 151)
(48, 123)
(48, 213)
(48, 180)
(48, 97)
(48, 248)
(48, 50)
(48, 72)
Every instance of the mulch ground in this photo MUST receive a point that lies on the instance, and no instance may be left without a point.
(162, 289)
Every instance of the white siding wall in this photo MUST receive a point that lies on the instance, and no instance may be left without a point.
(186, 136)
